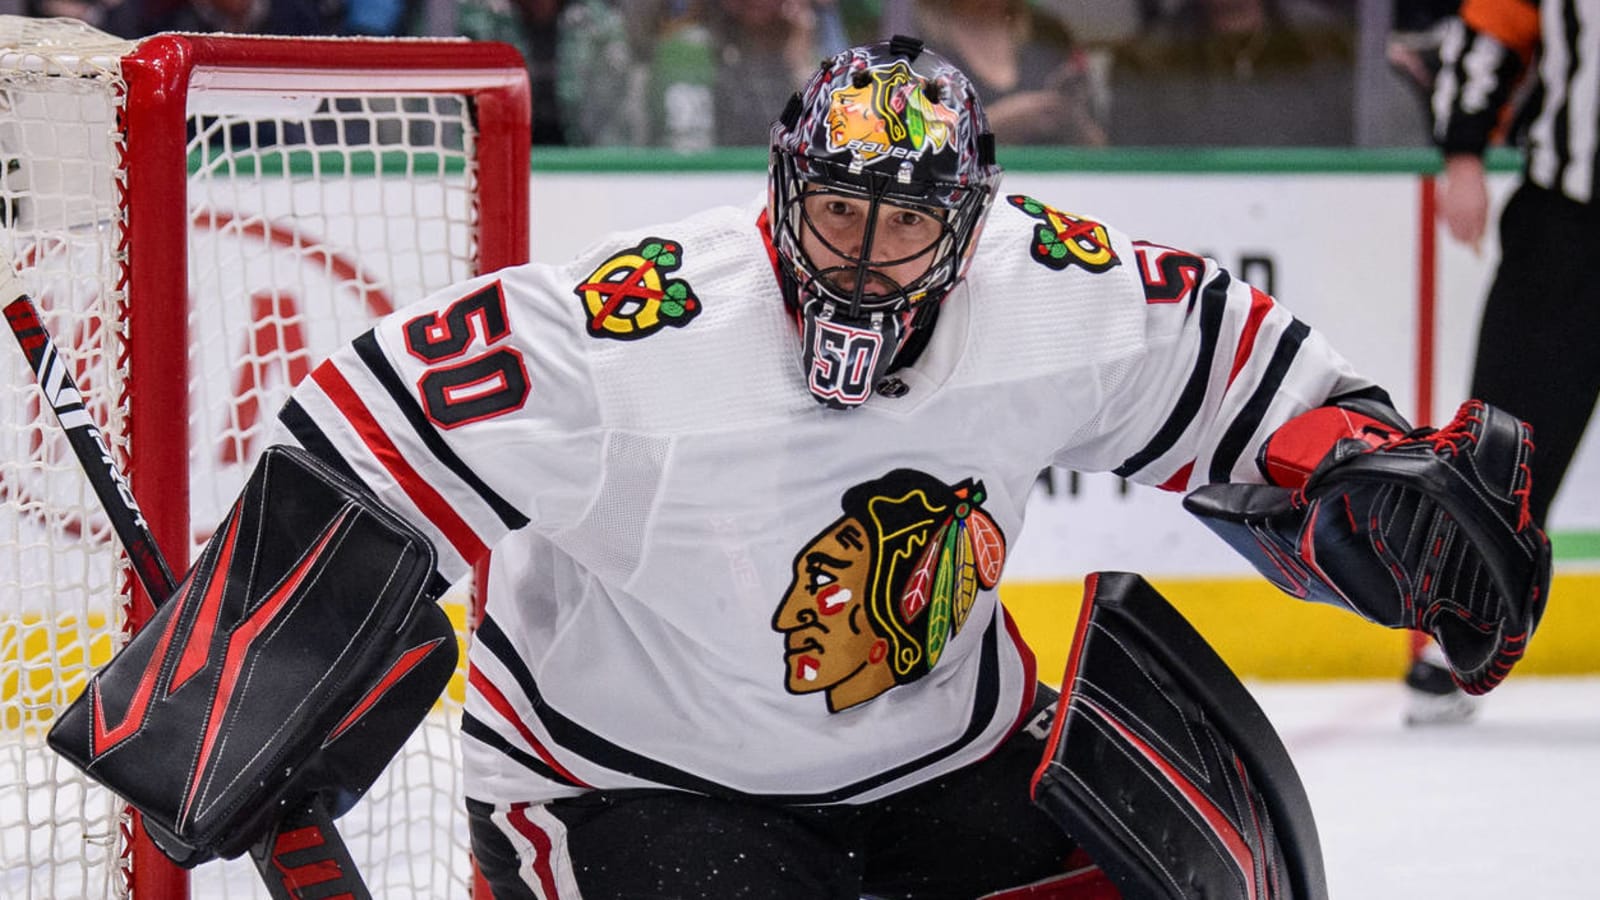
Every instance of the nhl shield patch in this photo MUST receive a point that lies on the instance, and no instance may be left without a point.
(630, 296)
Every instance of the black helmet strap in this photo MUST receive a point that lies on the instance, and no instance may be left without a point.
(908, 47)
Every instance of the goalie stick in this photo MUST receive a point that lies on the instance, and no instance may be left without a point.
(302, 857)
(88, 444)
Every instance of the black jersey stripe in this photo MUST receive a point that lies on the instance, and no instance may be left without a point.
(1213, 301)
(578, 740)
(1563, 116)
(1244, 425)
(315, 441)
(366, 347)
(476, 729)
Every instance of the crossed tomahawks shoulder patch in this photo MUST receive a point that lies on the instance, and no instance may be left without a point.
(1062, 239)
(629, 296)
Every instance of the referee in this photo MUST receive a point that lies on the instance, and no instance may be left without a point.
(1537, 355)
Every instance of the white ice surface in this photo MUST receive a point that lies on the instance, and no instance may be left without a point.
(1503, 807)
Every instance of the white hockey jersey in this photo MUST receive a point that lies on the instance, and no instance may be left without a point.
(702, 578)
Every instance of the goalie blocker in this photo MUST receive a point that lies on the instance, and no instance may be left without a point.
(1427, 530)
(294, 660)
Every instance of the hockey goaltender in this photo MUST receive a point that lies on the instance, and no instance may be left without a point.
(748, 480)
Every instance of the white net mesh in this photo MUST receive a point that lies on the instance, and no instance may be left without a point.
(59, 576)
(310, 214)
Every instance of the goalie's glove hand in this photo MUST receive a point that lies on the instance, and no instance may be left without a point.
(1429, 531)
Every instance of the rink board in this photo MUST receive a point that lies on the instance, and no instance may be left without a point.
(1343, 238)
(1339, 238)
(1265, 634)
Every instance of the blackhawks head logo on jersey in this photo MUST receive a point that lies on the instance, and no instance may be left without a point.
(878, 593)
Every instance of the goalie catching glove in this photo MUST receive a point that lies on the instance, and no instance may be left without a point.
(1429, 530)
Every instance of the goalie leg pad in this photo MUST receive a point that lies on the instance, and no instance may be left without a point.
(294, 659)
(1162, 766)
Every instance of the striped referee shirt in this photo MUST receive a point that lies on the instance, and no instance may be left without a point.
(1485, 53)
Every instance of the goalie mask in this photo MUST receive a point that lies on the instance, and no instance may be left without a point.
(882, 170)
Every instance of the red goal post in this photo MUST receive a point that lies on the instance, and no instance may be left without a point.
(201, 219)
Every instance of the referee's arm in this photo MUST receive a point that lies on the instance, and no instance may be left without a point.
(1484, 53)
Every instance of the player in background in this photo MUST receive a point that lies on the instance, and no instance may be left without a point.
(746, 482)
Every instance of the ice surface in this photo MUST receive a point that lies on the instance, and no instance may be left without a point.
(1503, 807)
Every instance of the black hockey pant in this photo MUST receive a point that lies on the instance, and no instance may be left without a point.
(967, 834)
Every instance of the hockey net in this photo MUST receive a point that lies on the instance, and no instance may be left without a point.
(200, 219)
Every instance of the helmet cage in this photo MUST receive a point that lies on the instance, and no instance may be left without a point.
(958, 208)
(893, 126)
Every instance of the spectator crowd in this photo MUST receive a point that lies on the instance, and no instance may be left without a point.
(651, 73)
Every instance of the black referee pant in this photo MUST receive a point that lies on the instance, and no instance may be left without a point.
(1538, 353)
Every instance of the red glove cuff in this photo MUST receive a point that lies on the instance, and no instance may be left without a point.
(1294, 450)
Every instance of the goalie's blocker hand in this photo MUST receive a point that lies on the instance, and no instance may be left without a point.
(1428, 531)
(300, 652)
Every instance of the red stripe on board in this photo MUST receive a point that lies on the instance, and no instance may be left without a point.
(1427, 290)
(427, 499)
(518, 817)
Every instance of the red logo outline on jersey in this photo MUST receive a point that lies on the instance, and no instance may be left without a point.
(1168, 274)
(490, 383)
